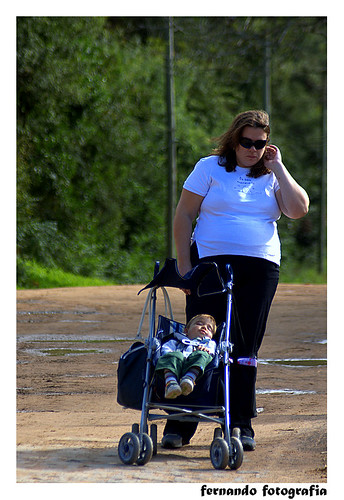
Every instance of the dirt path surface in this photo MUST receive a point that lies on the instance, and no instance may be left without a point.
(68, 421)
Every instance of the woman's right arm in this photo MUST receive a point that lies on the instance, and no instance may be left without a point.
(186, 212)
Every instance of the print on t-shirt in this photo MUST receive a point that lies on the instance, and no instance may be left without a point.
(246, 186)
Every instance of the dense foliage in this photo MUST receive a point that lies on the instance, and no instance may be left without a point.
(92, 139)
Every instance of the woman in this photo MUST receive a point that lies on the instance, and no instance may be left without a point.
(237, 195)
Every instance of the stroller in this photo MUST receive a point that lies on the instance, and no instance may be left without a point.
(140, 389)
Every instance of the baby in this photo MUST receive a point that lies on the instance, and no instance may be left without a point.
(183, 361)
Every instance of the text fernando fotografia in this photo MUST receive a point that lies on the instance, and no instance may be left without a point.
(266, 491)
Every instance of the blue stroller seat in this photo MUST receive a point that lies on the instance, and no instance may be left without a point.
(206, 391)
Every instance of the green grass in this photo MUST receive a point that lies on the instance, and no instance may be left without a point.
(30, 275)
(301, 274)
(33, 275)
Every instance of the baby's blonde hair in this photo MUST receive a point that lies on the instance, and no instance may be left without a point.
(199, 316)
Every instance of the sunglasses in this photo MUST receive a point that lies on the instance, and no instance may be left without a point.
(247, 143)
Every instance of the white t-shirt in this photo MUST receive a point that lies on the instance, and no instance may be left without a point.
(238, 213)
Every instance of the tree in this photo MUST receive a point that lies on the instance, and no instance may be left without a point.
(92, 149)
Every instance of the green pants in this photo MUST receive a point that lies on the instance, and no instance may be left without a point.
(179, 365)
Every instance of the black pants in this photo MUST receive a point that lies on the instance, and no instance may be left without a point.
(255, 283)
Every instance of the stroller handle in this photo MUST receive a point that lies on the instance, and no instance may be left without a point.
(203, 278)
(229, 276)
(156, 268)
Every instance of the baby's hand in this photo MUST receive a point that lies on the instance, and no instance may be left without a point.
(203, 348)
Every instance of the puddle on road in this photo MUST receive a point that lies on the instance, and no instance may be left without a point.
(44, 339)
(293, 392)
(321, 341)
(87, 339)
(67, 345)
(23, 313)
(79, 321)
(88, 375)
(35, 316)
(66, 351)
(69, 342)
(295, 362)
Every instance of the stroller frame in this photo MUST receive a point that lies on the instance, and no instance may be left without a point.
(226, 448)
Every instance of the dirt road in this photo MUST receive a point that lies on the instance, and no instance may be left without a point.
(68, 421)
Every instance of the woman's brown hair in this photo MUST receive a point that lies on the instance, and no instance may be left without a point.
(229, 141)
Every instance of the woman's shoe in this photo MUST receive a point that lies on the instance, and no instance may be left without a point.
(171, 441)
(247, 440)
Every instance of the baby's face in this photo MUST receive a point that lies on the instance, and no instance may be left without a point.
(202, 328)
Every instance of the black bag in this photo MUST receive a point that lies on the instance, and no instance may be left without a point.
(131, 373)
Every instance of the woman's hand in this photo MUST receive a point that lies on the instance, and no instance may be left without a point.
(292, 199)
(272, 157)
(183, 270)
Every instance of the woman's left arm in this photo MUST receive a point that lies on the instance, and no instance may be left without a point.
(291, 197)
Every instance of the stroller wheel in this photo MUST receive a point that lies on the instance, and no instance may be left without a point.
(135, 428)
(236, 432)
(219, 453)
(129, 448)
(237, 457)
(154, 437)
(146, 451)
(217, 432)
